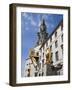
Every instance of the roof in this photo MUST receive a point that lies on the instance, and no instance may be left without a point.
(52, 33)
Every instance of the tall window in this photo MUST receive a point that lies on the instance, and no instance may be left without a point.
(50, 39)
(56, 44)
(51, 47)
(43, 63)
(28, 73)
(43, 54)
(37, 54)
(42, 73)
(62, 48)
(56, 56)
(51, 56)
(55, 34)
(35, 74)
(62, 37)
(61, 26)
(41, 50)
(39, 74)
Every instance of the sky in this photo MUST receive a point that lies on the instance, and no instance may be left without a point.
(30, 23)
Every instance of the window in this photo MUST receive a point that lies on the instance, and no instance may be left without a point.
(61, 26)
(39, 74)
(43, 54)
(42, 60)
(56, 44)
(62, 37)
(37, 54)
(51, 56)
(62, 48)
(55, 34)
(51, 47)
(43, 63)
(28, 75)
(51, 39)
(56, 56)
(42, 73)
(35, 74)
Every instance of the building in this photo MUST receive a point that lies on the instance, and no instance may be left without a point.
(51, 51)
(47, 57)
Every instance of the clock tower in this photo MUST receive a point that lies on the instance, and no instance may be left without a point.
(42, 35)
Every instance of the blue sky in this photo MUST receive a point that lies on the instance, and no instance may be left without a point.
(30, 23)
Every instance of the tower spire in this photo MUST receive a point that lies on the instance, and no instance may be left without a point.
(42, 35)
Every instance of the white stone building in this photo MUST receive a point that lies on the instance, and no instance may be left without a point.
(55, 44)
(47, 56)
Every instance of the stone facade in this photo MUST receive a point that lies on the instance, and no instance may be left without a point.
(50, 53)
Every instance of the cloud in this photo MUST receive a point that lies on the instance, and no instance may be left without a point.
(33, 23)
(30, 19)
(50, 25)
(45, 16)
(25, 15)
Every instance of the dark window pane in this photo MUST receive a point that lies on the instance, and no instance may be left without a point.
(56, 56)
(37, 53)
(51, 39)
(51, 47)
(55, 34)
(51, 56)
(35, 74)
(62, 37)
(42, 73)
(46, 44)
(56, 44)
(62, 48)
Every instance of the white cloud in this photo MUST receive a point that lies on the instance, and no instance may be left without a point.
(50, 25)
(45, 16)
(30, 18)
(25, 15)
(33, 22)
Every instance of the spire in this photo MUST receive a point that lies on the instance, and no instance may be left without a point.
(42, 35)
(43, 21)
